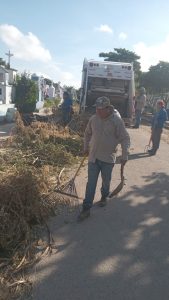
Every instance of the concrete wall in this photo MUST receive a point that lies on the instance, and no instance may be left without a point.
(8, 94)
(2, 96)
(12, 76)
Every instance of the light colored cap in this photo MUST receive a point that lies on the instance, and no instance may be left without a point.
(102, 102)
(161, 103)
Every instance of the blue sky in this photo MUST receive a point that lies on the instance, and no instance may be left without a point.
(53, 37)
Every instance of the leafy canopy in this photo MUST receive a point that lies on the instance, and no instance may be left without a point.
(123, 55)
(156, 80)
(3, 63)
(26, 94)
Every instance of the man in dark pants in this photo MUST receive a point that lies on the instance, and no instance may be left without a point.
(140, 102)
(105, 130)
(66, 107)
(157, 126)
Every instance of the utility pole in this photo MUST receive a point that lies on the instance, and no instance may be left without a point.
(9, 54)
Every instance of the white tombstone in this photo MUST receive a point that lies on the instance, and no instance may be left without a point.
(51, 92)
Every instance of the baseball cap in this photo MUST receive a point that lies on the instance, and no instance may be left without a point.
(102, 102)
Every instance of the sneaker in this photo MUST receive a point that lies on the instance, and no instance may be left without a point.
(85, 213)
(151, 152)
(102, 202)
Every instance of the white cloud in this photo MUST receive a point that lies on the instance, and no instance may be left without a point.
(104, 28)
(62, 75)
(29, 54)
(24, 46)
(122, 36)
(52, 71)
(151, 55)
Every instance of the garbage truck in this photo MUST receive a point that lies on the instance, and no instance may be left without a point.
(112, 79)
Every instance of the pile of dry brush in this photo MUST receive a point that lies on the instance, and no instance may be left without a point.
(30, 165)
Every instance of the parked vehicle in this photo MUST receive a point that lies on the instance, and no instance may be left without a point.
(10, 114)
(112, 79)
(2, 117)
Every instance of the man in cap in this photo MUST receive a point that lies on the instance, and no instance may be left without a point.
(139, 106)
(104, 131)
(158, 121)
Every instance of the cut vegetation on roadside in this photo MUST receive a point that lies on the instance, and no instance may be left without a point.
(31, 163)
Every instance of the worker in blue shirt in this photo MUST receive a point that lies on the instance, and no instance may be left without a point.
(158, 122)
(66, 108)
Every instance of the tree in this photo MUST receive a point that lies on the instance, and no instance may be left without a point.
(78, 91)
(156, 80)
(26, 94)
(123, 55)
(3, 63)
(48, 81)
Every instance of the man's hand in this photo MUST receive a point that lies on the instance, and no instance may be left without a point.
(85, 153)
(123, 162)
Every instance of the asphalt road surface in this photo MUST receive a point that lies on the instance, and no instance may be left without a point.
(122, 251)
(6, 130)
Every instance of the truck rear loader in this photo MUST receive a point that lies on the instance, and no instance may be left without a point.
(114, 80)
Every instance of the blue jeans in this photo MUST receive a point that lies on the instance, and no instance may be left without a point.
(138, 117)
(66, 117)
(156, 136)
(93, 172)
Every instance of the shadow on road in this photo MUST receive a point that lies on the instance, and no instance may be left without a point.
(120, 253)
(138, 155)
(134, 156)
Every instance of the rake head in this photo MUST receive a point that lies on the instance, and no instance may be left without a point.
(69, 189)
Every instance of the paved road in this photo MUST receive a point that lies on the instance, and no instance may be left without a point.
(122, 251)
(6, 130)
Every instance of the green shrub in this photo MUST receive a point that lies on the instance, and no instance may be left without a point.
(51, 102)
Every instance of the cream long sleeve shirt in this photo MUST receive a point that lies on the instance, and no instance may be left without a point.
(140, 102)
(102, 137)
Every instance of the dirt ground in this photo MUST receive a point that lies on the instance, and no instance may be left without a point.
(121, 251)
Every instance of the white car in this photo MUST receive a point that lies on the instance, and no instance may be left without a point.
(11, 114)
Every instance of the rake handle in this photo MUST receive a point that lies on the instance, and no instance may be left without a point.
(82, 161)
(122, 172)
